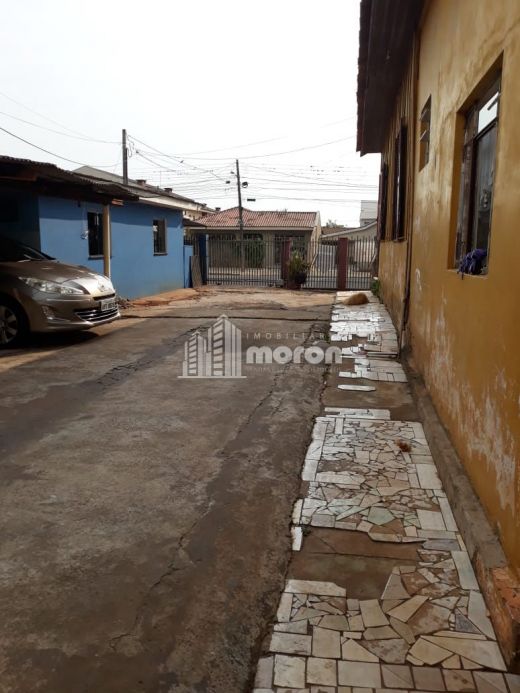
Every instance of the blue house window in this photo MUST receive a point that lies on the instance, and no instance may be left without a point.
(95, 234)
(159, 237)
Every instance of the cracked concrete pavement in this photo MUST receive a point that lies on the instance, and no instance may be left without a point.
(144, 518)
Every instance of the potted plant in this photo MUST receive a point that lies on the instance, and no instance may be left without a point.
(297, 271)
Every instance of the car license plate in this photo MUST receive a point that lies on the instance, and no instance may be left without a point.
(108, 304)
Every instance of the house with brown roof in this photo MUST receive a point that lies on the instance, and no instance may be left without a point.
(265, 226)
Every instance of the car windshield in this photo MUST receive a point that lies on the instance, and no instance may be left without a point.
(11, 251)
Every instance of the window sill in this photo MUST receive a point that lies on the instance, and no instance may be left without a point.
(160, 254)
(455, 271)
(96, 257)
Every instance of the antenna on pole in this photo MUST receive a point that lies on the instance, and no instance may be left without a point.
(125, 158)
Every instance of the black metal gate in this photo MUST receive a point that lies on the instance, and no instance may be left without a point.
(259, 262)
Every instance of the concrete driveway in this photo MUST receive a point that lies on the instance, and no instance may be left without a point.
(145, 518)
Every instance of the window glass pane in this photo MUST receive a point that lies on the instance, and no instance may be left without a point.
(483, 191)
(95, 234)
(488, 112)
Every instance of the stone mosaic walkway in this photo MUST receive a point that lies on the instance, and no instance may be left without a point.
(428, 629)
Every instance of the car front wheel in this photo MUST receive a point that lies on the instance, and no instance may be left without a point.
(13, 325)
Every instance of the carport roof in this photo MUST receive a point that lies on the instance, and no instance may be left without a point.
(49, 179)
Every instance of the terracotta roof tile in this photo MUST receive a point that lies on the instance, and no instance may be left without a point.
(228, 218)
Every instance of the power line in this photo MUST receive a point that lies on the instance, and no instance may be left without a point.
(64, 127)
(57, 132)
(256, 156)
(31, 144)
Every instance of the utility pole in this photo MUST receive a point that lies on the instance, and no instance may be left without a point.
(240, 216)
(240, 212)
(125, 158)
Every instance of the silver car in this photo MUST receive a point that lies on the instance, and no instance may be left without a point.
(40, 294)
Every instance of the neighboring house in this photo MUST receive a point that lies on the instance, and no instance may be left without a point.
(438, 97)
(368, 212)
(362, 248)
(266, 226)
(151, 194)
(133, 235)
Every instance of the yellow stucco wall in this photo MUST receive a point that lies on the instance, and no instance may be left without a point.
(392, 274)
(465, 334)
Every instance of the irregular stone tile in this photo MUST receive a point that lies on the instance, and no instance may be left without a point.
(389, 651)
(405, 610)
(468, 664)
(428, 678)
(322, 689)
(394, 589)
(456, 634)
(379, 633)
(467, 578)
(459, 680)
(452, 662)
(488, 682)
(428, 619)
(414, 582)
(326, 643)
(335, 623)
(403, 629)
(372, 613)
(441, 545)
(284, 608)
(315, 587)
(389, 604)
(513, 681)
(448, 602)
(322, 671)
(437, 590)
(289, 671)
(328, 608)
(477, 614)
(447, 514)
(290, 643)
(379, 516)
(305, 613)
(292, 627)
(360, 674)
(356, 623)
(264, 672)
(483, 652)
(353, 651)
(425, 652)
(396, 676)
(430, 520)
(428, 477)
(463, 624)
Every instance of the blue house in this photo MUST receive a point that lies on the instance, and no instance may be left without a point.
(88, 217)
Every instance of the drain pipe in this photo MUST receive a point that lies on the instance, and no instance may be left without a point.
(107, 237)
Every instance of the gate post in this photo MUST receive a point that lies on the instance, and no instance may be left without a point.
(341, 281)
(285, 259)
(202, 247)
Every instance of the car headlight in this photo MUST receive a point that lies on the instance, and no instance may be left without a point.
(49, 287)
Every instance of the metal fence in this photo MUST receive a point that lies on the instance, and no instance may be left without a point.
(258, 262)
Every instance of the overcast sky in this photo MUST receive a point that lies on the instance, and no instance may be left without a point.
(196, 83)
